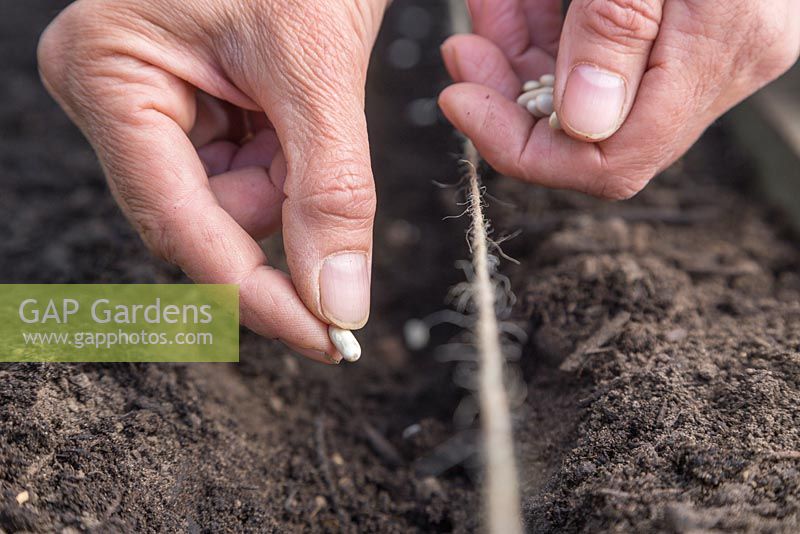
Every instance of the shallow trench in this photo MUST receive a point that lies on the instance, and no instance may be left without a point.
(683, 417)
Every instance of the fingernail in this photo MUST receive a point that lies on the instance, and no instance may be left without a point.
(474, 7)
(450, 57)
(446, 50)
(592, 103)
(278, 170)
(316, 355)
(344, 289)
(319, 356)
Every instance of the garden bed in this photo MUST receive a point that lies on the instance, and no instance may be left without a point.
(678, 314)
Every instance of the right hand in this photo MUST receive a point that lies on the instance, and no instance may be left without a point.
(636, 82)
(217, 120)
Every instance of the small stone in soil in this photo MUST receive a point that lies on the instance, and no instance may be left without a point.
(320, 503)
(416, 333)
(411, 430)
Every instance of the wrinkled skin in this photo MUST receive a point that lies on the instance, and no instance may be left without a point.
(220, 122)
(683, 62)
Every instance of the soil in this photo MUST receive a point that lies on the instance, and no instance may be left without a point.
(676, 315)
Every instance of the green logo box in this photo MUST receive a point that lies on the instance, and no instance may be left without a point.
(119, 323)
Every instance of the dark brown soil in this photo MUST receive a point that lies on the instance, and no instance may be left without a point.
(683, 417)
(687, 419)
(274, 443)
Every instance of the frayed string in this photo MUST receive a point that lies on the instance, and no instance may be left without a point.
(502, 499)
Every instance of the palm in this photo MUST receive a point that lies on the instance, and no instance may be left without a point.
(647, 78)
(237, 148)
(514, 41)
(525, 31)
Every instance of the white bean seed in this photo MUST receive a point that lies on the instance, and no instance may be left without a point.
(534, 109)
(544, 103)
(530, 86)
(524, 98)
(548, 80)
(554, 123)
(345, 342)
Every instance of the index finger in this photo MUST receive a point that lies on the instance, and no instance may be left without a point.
(159, 180)
(516, 144)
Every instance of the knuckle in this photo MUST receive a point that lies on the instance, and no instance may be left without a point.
(780, 50)
(624, 22)
(625, 190)
(616, 188)
(51, 53)
(47, 55)
(156, 238)
(772, 44)
(349, 196)
(780, 60)
(485, 63)
(315, 44)
(622, 174)
(622, 185)
(152, 228)
(71, 48)
(159, 221)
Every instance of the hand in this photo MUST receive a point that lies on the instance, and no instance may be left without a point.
(215, 121)
(640, 80)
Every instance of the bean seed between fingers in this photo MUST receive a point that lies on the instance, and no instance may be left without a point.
(544, 103)
(537, 98)
(554, 122)
(534, 109)
(530, 86)
(524, 98)
(345, 342)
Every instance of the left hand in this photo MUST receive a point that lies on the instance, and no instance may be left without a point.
(640, 80)
(220, 122)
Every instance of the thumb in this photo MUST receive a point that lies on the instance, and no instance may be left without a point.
(604, 52)
(328, 217)
(330, 202)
